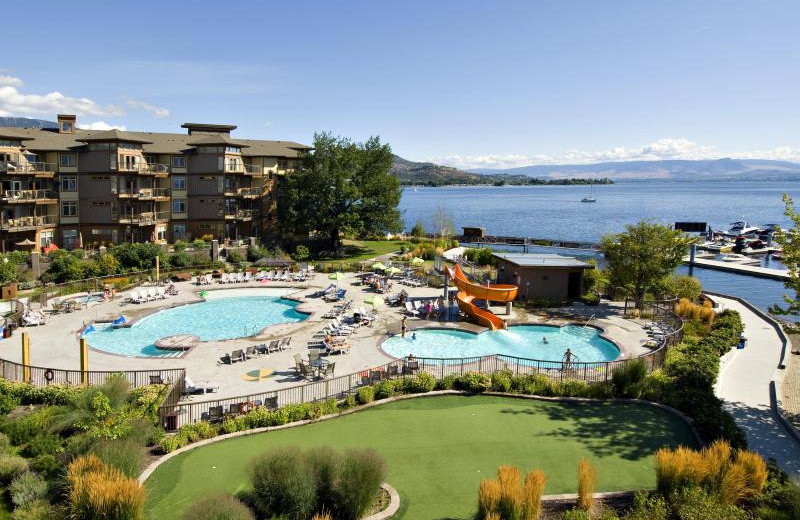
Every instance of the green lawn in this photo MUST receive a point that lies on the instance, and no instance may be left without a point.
(439, 448)
(357, 250)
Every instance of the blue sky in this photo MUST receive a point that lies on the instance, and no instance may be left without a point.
(464, 83)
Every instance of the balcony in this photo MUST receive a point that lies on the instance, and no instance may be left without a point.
(241, 214)
(37, 169)
(245, 193)
(143, 168)
(30, 197)
(147, 218)
(244, 169)
(146, 194)
(13, 225)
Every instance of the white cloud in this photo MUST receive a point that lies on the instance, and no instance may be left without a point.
(662, 149)
(16, 103)
(10, 81)
(141, 105)
(100, 125)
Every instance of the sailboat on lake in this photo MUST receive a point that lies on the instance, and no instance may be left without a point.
(590, 197)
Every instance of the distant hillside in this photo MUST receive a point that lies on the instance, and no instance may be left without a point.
(681, 170)
(27, 122)
(413, 173)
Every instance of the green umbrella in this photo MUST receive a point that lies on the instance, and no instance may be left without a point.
(417, 261)
(375, 301)
(378, 266)
(336, 276)
(393, 270)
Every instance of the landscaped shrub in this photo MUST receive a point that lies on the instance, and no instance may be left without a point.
(219, 507)
(8, 402)
(47, 465)
(448, 382)
(125, 455)
(5, 443)
(501, 381)
(99, 491)
(384, 389)
(358, 480)
(23, 428)
(171, 443)
(11, 466)
(473, 382)
(569, 388)
(29, 394)
(587, 482)
(284, 484)
(365, 395)
(647, 507)
(43, 444)
(422, 383)
(39, 510)
(627, 375)
(27, 488)
(695, 503)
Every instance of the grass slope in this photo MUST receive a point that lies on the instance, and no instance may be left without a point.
(439, 448)
(358, 250)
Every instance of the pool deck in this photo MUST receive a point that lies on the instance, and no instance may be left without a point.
(56, 344)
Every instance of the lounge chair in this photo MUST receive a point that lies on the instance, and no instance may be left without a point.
(235, 409)
(411, 310)
(305, 371)
(157, 380)
(240, 278)
(274, 346)
(215, 414)
(192, 388)
(286, 343)
(34, 318)
(248, 277)
(223, 278)
(313, 356)
(238, 355)
(271, 403)
(162, 293)
(251, 352)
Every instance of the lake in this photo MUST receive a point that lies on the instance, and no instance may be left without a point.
(556, 212)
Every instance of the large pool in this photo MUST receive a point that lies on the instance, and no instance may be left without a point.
(217, 318)
(526, 341)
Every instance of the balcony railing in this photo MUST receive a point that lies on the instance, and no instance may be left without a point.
(240, 214)
(35, 168)
(29, 196)
(144, 168)
(145, 193)
(246, 169)
(144, 218)
(28, 223)
(243, 192)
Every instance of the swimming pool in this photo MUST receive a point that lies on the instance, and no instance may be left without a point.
(217, 318)
(525, 341)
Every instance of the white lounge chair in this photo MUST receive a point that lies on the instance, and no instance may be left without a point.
(162, 293)
(34, 318)
(206, 386)
(411, 310)
(248, 277)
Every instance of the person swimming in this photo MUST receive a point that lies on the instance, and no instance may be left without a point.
(413, 336)
(544, 340)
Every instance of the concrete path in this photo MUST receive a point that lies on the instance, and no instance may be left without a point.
(744, 386)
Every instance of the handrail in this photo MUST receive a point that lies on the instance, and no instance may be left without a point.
(28, 222)
(21, 195)
(30, 167)
(145, 217)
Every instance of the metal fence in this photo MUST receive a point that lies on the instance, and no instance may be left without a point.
(174, 416)
(44, 376)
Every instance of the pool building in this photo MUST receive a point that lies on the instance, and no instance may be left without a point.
(542, 276)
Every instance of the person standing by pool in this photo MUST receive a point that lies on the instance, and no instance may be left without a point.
(403, 327)
(568, 356)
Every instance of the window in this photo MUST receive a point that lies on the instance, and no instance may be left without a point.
(233, 149)
(283, 164)
(67, 160)
(178, 231)
(69, 183)
(179, 205)
(66, 127)
(112, 161)
(69, 209)
(178, 182)
(45, 238)
(70, 239)
(96, 178)
(178, 161)
(7, 142)
(100, 203)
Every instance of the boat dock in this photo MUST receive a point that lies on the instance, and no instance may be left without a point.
(734, 267)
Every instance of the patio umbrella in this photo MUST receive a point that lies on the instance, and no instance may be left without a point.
(27, 242)
(417, 261)
(393, 270)
(336, 276)
(376, 301)
(378, 266)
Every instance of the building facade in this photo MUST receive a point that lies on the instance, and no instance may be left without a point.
(542, 276)
(79, 188)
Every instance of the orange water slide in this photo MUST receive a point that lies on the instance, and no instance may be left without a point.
(468, 291)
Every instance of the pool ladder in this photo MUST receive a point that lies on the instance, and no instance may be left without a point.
(589, 320)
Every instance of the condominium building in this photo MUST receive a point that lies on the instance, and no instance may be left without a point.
(81, 188)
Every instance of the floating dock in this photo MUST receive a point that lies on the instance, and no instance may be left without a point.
(733, 267)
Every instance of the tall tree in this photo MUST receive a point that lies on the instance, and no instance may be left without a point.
(341, 186)
(643, 255)
(789, 239)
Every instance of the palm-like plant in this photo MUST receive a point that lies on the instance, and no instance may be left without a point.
(98, 410)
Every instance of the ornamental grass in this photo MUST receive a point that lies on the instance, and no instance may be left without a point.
(587, 482)
(101, 492)
(508, 497)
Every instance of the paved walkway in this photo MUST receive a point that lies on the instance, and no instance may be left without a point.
(744, 386)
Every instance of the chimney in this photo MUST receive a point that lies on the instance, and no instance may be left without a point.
(66, 123)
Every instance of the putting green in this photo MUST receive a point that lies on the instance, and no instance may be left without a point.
(438, 449)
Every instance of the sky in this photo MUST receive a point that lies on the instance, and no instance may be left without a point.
(464, 83)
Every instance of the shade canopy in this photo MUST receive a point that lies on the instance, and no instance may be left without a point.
(378, 266)
(393, 270)
(26, 242)
(417, 261)
(336, 276)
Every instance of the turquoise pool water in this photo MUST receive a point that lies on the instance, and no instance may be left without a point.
(215, 319)
(526, 341)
